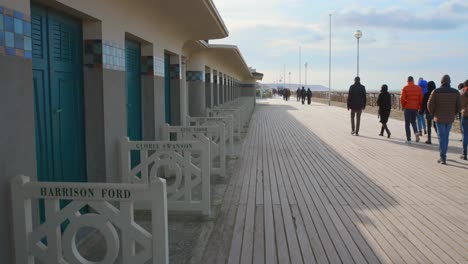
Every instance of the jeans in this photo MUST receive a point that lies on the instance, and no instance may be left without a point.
(356, 113)
(410, 119)
(421, 123)
(444, 133)
(465, 133)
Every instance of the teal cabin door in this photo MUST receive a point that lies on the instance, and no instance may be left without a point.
(133, 81)
(58, 95)
(167, 88)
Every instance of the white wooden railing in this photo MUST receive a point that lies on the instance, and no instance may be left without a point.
(227, 121)
(111, 213)
(215, 134)
(236, 124)
(188, 184)
(241, 109)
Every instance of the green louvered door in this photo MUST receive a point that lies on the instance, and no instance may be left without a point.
(133, 81)
(167, 88)
(58, 89)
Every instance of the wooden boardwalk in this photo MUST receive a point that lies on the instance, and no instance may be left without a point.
(306, 191)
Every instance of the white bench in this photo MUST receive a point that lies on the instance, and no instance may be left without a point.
(216, 135)
(111, 207)
(188, 188)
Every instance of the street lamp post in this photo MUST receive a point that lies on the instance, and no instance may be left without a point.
(289, 80)
(329, 67)
(305, 76)
(358, 35)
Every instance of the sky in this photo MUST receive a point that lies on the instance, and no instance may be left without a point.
(421, 38)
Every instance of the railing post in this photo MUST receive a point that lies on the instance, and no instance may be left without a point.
(159, 220)
(125, 167)
(22, 220)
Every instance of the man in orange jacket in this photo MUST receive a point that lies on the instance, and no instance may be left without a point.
(411, 99)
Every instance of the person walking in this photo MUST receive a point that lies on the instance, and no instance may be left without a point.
(303, 94)
(420, 117)
(444, 104)
(464, 122)
(411, 100)
(356, 103)
(429, 120)
(298, 94)
(309, 96)
(385, 106)
(461, 88)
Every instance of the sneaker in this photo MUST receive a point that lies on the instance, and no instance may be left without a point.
(408, 142)
(389, 135)
(357, 134)
(352, 132)
(441, 161)
(381, 135)
(428, 142)
(417, 138)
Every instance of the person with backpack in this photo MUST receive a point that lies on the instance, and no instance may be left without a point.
(429, 120)
(420, 118)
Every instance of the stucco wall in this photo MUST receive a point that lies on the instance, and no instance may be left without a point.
(17, 138)
(197, 100)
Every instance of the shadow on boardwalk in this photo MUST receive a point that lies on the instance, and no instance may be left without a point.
(297, 200)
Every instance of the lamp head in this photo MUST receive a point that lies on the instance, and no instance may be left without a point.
(358, 34)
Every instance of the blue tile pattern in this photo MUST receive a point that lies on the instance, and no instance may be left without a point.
(104, 54)
(195, 76)
(9, 39)
(9, 23)
(113, 56)
(18, 26)
(159, 67)
(15, 33)
(19, 41)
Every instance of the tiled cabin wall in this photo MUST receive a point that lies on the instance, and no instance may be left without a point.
(175, 75)
(221, 88)
(215, 88)
(17, 135)
(196, 92)
(208, 88)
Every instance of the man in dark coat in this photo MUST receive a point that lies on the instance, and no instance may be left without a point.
(443, 105)
(303, 94)
(356, 103)
(309, 96)
(298, 94)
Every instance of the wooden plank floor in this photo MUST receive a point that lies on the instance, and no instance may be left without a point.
(306, 191)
